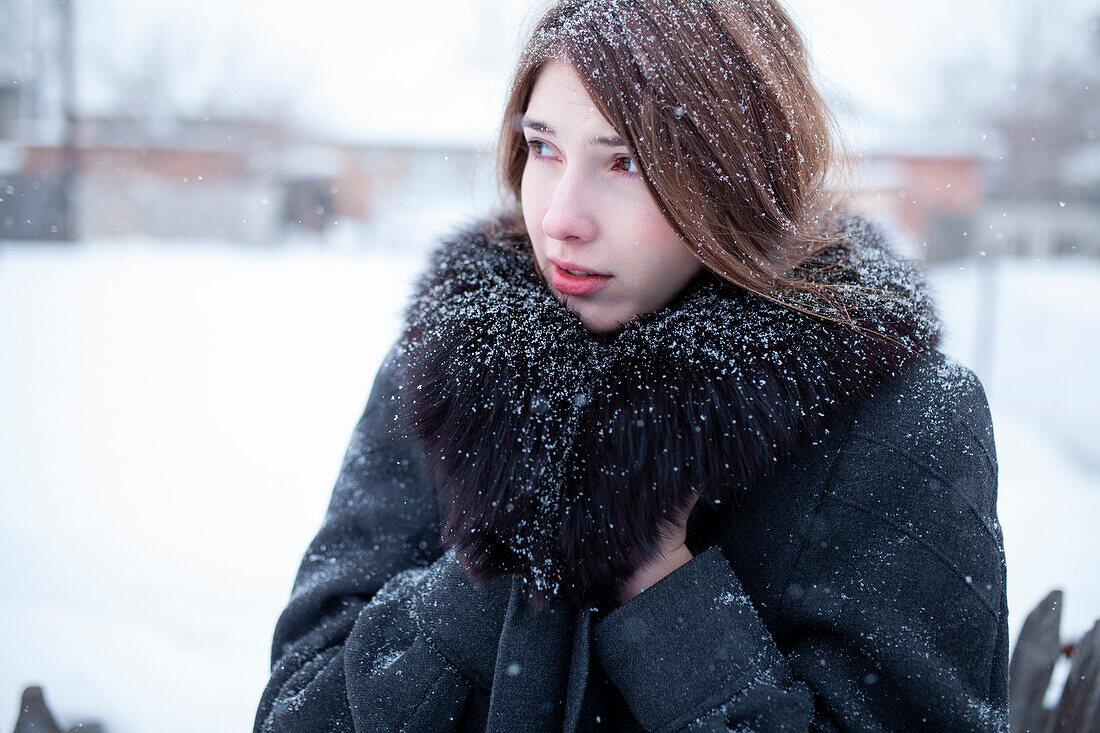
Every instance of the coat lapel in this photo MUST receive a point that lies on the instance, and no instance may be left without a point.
(541, 674)
(530, 678)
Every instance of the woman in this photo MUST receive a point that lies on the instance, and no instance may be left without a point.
(665, 446)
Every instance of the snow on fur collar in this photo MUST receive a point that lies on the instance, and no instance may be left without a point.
(554, 451)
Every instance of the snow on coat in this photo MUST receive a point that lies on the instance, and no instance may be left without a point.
(556, 451)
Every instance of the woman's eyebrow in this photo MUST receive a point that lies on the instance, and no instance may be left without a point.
(608, 142)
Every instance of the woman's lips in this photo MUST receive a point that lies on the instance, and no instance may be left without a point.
(576, 284)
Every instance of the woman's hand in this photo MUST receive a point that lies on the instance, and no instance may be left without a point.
(672, 552)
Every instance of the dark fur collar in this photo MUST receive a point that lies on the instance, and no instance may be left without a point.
(555, 451)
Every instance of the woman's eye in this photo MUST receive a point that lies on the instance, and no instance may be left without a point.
(629, 162)
(535, 145)
(625, 162)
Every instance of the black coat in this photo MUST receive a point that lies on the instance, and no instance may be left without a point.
(849, 568)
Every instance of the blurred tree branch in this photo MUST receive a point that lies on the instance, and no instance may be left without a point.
(165, 73)
(1040, 102)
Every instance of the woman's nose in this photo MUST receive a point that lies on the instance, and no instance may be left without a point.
(569, 216)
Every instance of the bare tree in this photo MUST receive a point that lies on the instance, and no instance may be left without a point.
(1040, 101)
(156, 79)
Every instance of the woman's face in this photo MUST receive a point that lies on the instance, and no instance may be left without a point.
(586, 207)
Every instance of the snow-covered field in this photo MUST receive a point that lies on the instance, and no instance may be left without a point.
(172, 417)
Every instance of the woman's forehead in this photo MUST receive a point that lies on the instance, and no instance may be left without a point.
(561, 80)
(559, 99)
(559, 93)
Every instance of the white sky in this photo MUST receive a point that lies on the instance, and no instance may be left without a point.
(437, 68)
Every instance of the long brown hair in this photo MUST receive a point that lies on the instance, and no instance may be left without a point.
(716, 101)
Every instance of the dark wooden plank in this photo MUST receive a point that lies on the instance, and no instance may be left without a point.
(1032, 663)
(1078, 709)
(34, 716)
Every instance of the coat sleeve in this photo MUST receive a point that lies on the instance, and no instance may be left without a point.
(894, 616)
(382, 630)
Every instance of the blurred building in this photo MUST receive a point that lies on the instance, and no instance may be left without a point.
(246, 180)
(240, 177)
(935, 201)
(28, 59)
(28, 35)
(943, 194)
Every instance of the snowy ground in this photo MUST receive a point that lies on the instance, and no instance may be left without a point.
(172, 417)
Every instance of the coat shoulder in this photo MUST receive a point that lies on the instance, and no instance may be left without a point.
(937, 414)
(920, 459)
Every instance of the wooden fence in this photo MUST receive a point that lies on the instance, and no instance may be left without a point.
(1038, 649)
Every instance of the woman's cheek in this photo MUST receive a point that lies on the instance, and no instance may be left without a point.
(533, 193)
(650, 222)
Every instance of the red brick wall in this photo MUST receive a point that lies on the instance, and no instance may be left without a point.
(170, 165)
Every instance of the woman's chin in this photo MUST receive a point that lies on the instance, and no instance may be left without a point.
(600, 323)
(599, 317)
